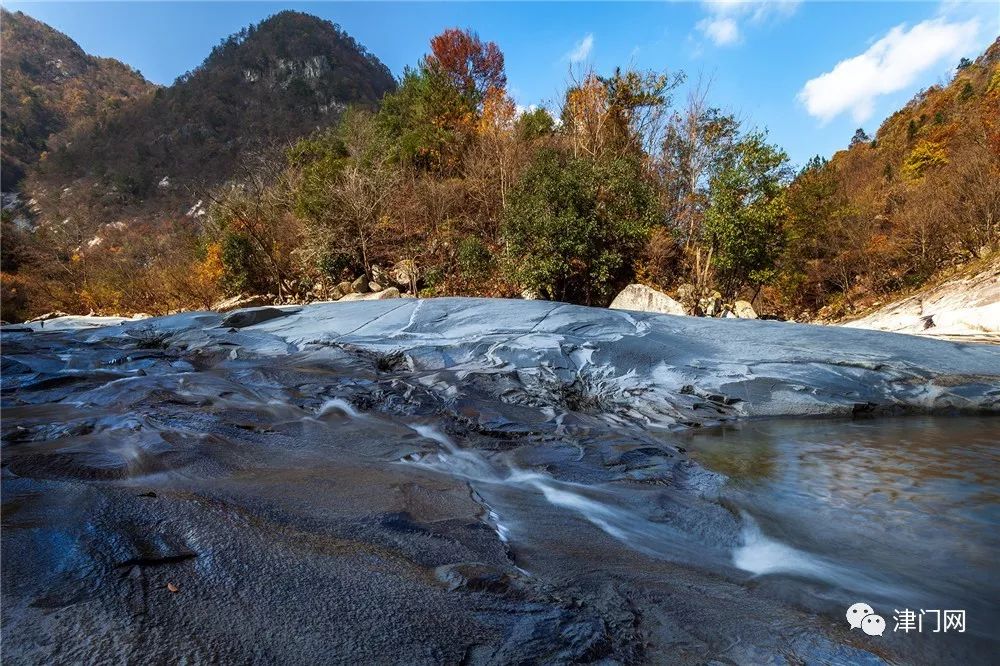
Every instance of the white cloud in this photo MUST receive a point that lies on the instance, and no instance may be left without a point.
(889, 65)
(722, 30)
(723, 23)
(582, 49)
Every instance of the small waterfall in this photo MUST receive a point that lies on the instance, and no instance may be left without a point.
(624, 524)
(760, 555)
(338, 405)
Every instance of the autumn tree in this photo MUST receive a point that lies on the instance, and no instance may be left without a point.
(472, 66)
(251, 218)
(429, 120)
(494, 160)
(349, 178)
(434, 115)
(619, 115)
(699, 140)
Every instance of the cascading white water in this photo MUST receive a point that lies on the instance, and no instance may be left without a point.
(592, 503)
(338, 404)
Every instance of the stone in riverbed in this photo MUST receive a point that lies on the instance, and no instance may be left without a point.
(241, 301)
(712, 305)
(744, 310)
(253, 316)
(360, 285)
(473, 577)
(404, 273)
(646, 299)
(391, 292)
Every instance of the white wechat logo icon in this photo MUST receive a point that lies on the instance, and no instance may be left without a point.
(856, 613)
(862, 615)
(873, 625)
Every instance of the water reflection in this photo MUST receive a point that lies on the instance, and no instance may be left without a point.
(910, 505)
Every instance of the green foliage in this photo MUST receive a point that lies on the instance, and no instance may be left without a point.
(345, 179)
(745, 220)
(242, 265)
(816, 164)
(474, 257)
(535, 124)
(428, 117)
(860, 137)
(698, 142)
(318, 160)
(572, 226)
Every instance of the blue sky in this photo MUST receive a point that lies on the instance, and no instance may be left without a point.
(810, 72)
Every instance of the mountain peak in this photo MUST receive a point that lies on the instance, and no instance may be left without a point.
(268, 83)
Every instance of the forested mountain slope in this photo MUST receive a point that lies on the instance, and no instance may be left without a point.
(891, 210)
(49, 83)
(267, 84)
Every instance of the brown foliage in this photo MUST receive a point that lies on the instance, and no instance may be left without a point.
(474, 67)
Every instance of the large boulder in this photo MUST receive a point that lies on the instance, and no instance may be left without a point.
(646, 299)
(391, 292)
(241, 301)
(342, 289)
(744, 310)
(252, 316)
(404, 273)
(687, 294)
(360, 285)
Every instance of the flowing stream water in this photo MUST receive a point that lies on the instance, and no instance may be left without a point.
(896, 513)
(332, 490)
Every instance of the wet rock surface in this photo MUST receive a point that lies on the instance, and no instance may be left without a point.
(449, 481)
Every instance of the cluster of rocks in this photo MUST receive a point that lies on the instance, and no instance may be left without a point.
(690, 301)
(400, 281)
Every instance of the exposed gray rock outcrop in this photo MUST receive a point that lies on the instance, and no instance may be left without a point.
(640, 298)
(382, 295)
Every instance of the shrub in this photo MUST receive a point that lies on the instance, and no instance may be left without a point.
(474, 257)
(243, 268)
(925, 155)
(572, 226)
